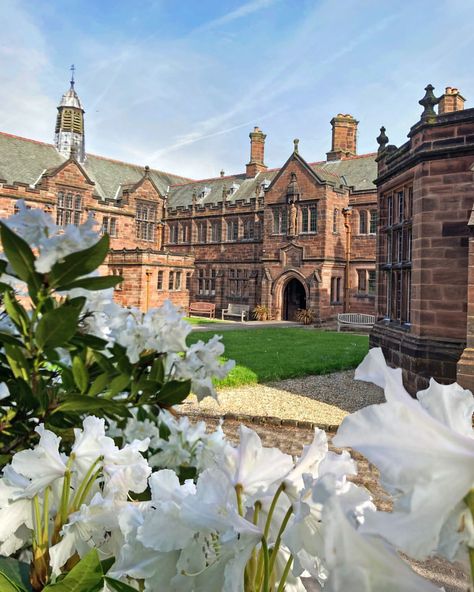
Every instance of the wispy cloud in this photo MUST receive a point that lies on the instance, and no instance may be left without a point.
(241, 11)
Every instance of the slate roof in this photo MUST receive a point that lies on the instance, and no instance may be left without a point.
(358, 172)
(24, 161)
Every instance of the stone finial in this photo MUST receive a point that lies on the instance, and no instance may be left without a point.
(222, 173)
(382, 140)
(428, 102)
(295, 144)
(147, 171)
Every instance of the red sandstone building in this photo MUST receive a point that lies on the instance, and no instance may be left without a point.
(301, 236)
(425, 246)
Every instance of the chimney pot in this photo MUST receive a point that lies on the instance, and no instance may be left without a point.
(257, 152)
(451, 101)
(344, 137)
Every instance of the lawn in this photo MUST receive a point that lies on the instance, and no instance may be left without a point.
(263, 355)
(202, 320)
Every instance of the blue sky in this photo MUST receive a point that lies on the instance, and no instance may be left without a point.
(179, 84)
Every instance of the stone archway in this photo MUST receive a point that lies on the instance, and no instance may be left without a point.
(294, 298)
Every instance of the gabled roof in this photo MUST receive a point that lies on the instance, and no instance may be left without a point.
(24, 161)
(357, 172)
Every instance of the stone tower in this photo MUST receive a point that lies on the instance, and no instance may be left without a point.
(69, 130)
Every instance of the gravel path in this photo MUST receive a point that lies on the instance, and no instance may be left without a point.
(324, 399)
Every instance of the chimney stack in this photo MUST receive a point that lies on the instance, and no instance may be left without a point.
(257, 151)
(344, 137)
(451, 101)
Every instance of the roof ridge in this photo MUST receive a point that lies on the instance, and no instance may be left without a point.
(138, 165)
(94, 155)
(193, 182)
(26, 139)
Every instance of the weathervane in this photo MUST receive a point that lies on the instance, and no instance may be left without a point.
(72, 75)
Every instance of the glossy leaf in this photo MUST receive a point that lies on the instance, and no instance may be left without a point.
(83, 403)
(85, 576)
(57, 327)
(80, 374)
(19, 255)
(174, 392)
(15, 574)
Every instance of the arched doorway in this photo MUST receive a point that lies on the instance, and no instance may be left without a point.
(294, 297)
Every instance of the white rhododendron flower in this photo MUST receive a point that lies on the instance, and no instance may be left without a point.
(53, 242)
(255, 468)
(201, 364)
(424, 450)
(42, 465)
(362, 563)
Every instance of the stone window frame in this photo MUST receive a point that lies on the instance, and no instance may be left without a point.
(309, 218)
(188, 277)
(160, 280)
(396, 253)
(216, 231)
(232, 230)
(206, 281)
(238, 285)
(373, 220)
(109, 226)
(366, 282)
(248, 229)
(69, 208)
(146, 217)
(363, 222)
(173, 233)
(202, 228)
(184, 233)
(280, 220)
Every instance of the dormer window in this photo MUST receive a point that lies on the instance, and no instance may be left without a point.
(263, 185)
(233, 189)
(203, 193)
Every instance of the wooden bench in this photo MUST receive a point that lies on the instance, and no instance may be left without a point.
(202, 308)
(354, 319)
(236, 310)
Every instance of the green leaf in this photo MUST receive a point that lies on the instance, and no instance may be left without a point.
(81, 374)
(86, 576)
(82, 403)
(93, 283)
(15, 574)
(20, 256)
(157, 371)
(118, 586)
(16, 312)
(99, 385)
(118, 384)
(78, 264)
(83, 340)
(173, 392)
(57, 326)
(10, 339)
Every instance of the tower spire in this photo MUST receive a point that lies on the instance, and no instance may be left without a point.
(69, 132)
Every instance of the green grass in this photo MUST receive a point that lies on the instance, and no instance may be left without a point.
(263, 355)
(202, 320)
